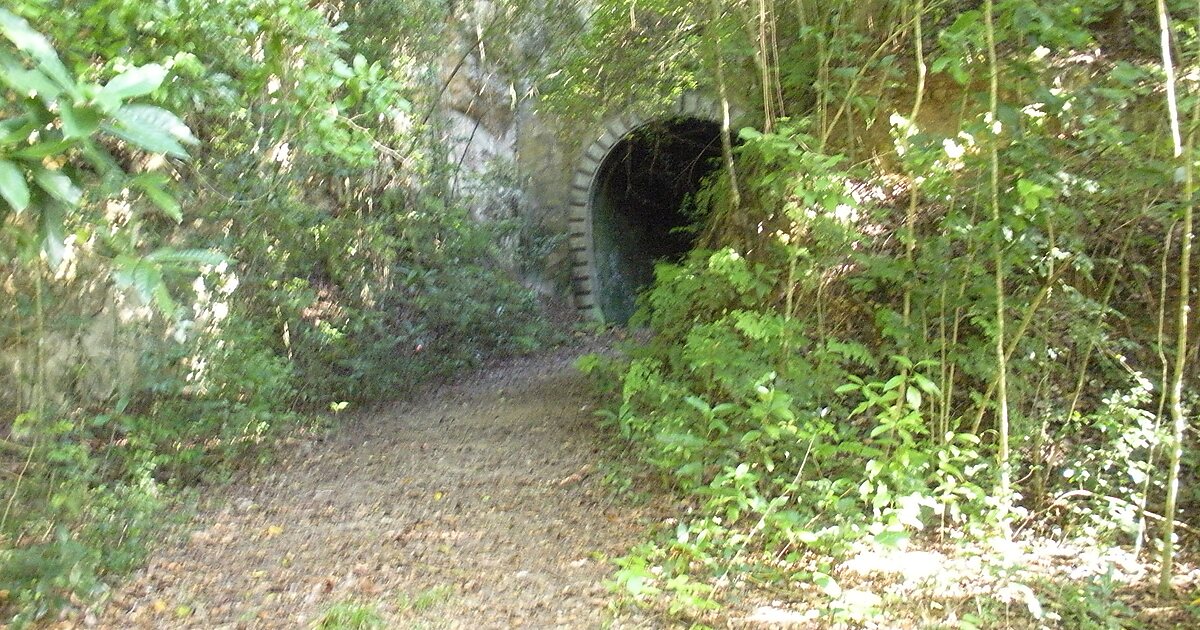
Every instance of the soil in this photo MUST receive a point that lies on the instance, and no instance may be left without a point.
(482, 505)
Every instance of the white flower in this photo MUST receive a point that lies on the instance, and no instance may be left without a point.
(229, 285)
(953, 149)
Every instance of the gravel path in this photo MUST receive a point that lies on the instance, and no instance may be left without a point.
(480, 506)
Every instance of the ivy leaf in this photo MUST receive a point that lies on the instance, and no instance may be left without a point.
(134, 82)
(13, 187)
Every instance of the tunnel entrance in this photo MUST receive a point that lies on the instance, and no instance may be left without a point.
(637, 200)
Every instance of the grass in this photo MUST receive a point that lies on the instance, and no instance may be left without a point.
(351, 615)
(425, 600)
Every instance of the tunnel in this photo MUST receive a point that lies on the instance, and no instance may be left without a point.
(638, 210)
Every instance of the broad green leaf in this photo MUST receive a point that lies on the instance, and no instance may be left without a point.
(913, 396)
(16, 130)
(699, 405)
(891, 538)
(134, 82)
(79, 121)
(724, 408)
(146, 279)
(341, 69)
(162, 297)
(749, 133)
(50, 233)
(153, 129)
(58, 185)
(26, 81)
(680, 440)
(13, 187)
(827, 584)
(186, 257)
(927, 386)
(165, 202)
(43, 149)
(148, 139)
(34, 44)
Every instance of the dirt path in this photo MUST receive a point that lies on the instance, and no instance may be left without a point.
(479, 507)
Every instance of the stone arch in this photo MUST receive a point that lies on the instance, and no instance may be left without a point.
(588, 283)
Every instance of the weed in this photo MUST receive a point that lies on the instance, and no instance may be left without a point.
(425, 600)
(351, 615)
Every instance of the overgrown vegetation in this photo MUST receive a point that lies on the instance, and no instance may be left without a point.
(940, 299)
(918, 320)
(217, 218)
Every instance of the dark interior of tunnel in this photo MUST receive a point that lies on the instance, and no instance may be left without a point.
(638, 205)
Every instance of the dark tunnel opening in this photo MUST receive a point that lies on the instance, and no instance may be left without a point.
(638, 206)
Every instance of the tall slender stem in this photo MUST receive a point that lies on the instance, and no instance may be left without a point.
(1004, 489)
(726, 118)
(1179, 420)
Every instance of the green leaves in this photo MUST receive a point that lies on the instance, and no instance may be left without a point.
(38, 48)
(56, 128)
(146, 279)
(138, 81)
(146, 275)
(50, 234)
(26, 82)
(13, 187)
(79, 121)
(153, 129)
(58, 186)
(153, 185)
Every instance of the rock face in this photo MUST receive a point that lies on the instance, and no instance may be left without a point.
(512, 162)
(507, 161)
(93, 357)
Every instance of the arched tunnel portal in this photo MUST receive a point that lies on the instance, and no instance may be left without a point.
(628, 203)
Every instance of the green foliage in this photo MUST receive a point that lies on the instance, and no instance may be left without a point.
(54, 143)
(427, 599)
(349, 615)
(1090, 605)
(86, 515)
(825, 371)
(145, 360)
